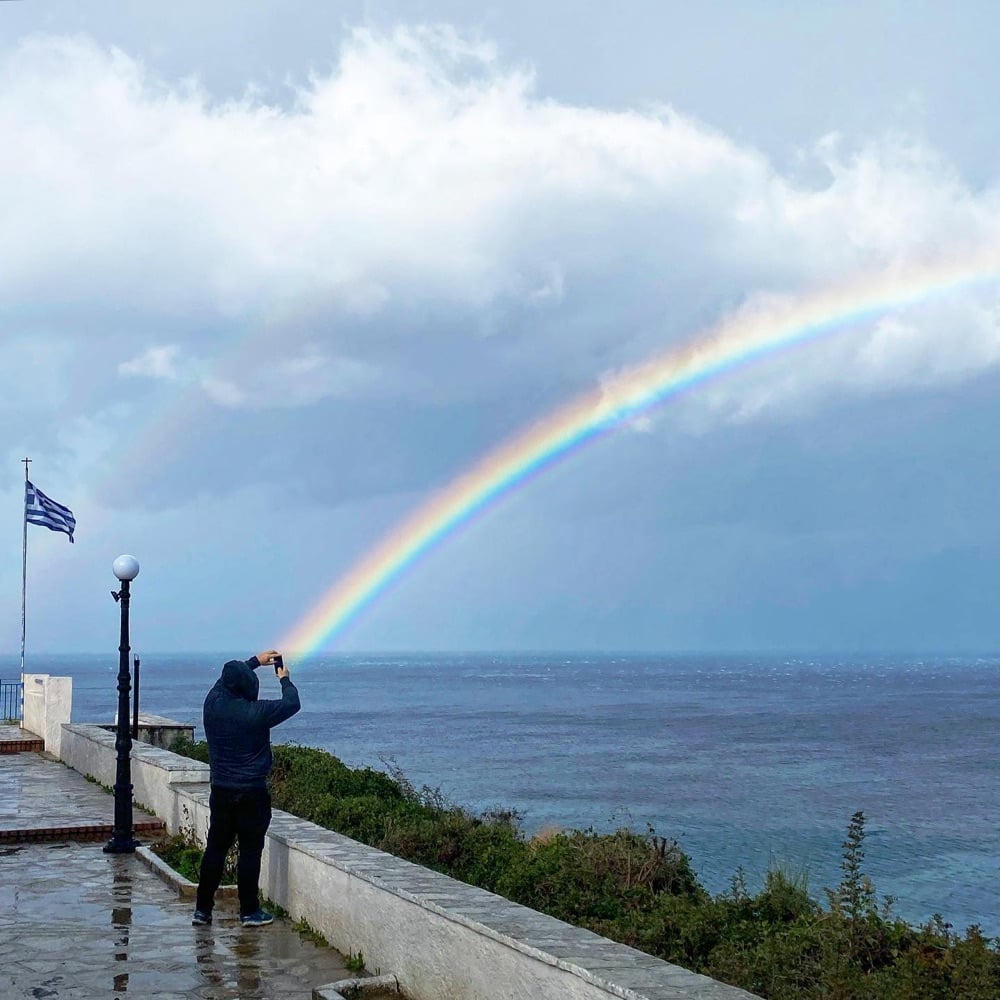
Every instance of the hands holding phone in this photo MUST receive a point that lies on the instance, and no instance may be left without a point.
(273, 656)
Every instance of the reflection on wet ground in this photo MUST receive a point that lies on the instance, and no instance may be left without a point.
(78, 923)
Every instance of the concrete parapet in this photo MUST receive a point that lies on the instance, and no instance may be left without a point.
(440, 938)
(90, 749)
(158, 731)
(48, 702)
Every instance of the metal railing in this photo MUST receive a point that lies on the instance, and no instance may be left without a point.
(10, 701)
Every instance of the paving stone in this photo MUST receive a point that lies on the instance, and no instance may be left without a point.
(38, 793)
(78, 923)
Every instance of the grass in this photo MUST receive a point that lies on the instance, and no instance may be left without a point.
(307, 931)
(355, 963)
(275, 908)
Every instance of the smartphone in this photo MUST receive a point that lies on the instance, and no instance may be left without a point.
(279, 662)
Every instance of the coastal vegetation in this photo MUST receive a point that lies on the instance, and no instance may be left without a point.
(184, 855)
(639, 888)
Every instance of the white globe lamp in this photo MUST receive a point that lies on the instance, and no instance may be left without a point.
(126, 567)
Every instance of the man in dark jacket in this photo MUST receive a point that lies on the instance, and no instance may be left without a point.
(238, 730)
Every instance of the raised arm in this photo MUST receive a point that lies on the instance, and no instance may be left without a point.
(274, 712)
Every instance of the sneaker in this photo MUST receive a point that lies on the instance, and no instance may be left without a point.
(257, 919)
(201, 918)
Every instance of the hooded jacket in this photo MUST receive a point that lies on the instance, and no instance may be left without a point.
(238, 726)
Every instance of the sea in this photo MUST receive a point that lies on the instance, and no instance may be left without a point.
(749, 762)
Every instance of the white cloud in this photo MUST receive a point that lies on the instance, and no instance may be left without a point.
(156, 363)
(966, 339)
(223, 392)
(423, 193)
(291, 381)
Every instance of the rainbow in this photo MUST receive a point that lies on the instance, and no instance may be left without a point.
(745, 337)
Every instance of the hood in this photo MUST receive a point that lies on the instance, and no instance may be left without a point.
(240, 680)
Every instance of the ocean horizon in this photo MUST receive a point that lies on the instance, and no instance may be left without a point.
(748, 761)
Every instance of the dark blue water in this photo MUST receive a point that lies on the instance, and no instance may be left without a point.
(752, 761)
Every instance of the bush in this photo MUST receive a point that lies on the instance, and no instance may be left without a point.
(184, 855)
(589, 878)
(195, 749)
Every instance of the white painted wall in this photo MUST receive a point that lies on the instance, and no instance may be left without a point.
(91, 751)
(48, 702)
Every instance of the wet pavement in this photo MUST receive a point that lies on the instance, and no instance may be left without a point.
(78, 923)
(43, 799)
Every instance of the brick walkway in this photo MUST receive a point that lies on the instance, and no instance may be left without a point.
(78, 923)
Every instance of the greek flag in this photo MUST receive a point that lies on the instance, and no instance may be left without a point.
(39, 509)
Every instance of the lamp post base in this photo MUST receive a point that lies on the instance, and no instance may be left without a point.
(124, 845)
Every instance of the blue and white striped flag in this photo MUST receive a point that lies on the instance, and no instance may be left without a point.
(39, 509)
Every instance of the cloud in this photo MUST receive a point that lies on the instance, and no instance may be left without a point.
(223, 393)
(156, 362)
(422, 226)
(294, 380)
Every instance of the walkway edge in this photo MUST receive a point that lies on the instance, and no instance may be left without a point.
(184, 886)
(356, 989)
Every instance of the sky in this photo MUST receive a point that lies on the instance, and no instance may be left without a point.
(273, 276)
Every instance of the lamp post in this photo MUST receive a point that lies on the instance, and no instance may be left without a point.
(126, 568)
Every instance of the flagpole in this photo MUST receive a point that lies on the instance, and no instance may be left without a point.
(24, 575)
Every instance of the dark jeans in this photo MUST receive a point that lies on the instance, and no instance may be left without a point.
(237, 814)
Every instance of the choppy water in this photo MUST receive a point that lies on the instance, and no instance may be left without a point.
(751, 761)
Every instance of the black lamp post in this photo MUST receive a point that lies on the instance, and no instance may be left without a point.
(126, 568)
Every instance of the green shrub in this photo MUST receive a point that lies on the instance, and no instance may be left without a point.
(184, 855)
(195, 749)
(585, 877)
